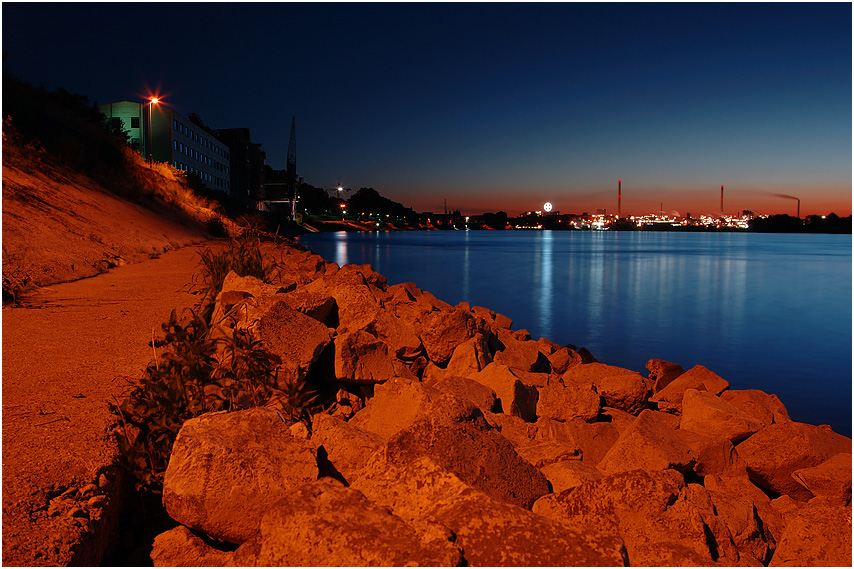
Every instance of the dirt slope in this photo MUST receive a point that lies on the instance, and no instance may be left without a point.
(68, 347)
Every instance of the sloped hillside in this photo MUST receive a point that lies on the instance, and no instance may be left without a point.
(59, 225)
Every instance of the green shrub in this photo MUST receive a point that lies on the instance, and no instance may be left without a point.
(198, 373)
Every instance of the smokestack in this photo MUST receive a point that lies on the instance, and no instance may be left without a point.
(722, 199)
(799, 208)
(619, 196)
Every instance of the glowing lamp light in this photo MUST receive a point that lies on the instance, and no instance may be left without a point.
(547, 207)
(155, 100)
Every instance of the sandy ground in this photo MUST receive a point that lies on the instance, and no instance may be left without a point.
(66, 353)
(69, 348)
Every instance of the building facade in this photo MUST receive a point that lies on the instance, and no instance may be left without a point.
(184, 142)
(248, 166)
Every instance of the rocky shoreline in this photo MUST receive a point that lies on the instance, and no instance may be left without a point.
(458, 440)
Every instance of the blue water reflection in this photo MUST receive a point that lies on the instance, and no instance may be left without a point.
(770, 312)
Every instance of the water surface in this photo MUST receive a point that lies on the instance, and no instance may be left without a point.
(764, 311)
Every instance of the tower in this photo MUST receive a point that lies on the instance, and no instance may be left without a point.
(722, 199)
(292, 168)
(619, 196)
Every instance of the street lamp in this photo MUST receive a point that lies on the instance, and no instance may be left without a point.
(151, 102)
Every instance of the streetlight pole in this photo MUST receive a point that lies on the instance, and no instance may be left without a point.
(151, 102)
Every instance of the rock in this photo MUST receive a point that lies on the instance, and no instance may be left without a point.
(648, 444)
(503, 321)
(567, 474)
(484, 313)
(562, 359)
(225, 468)
(488, 531)
(250, 285)
(830, 479)
(357, 303)
(482, 396)
(455, 435)
(295, 339)
(775, 452)
(593, 439)
(619, 388)
(619, 419)
(396, 404)
(317, 305)
(522, 355)
(299, 431)
(566, 403)
(515, 397)
(705, 413)
(345, 446)
(698, 377)
(763, 407)
(324, 523)
(541, 453)
(402, 340)
(513, 428)
(546, 346)
(736, 484)
(749, 534)
(662, 373)
(715, 456)
(649, 510)
(470, 357)
(362, 358)
(179, 547)
(445, 330)
(816, 535)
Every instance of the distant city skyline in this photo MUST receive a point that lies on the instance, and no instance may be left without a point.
(490, 107)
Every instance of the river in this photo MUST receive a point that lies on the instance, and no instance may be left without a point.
(764, 311)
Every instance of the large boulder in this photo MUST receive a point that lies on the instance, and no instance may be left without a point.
(488, 531)
(402, 340)
(515, 397)
(594, 440)
(774, 453)
(541, 453)
(562, 359)
(463, 387)
(619, 388)
(748, 531)
(318, 305)
(662, 373)
(294, 339)
(703, 412)
(567, 474)
(444, 330)
(324, 523)
(650, 444)
(346, 447)
(455, 434)
(357, 302)
(566, 403)
(396, 404)
(225, 468)
(830, 479)
(715, 455)
(698, 377)
(179, 547)
(816, 535)
(470, 357)
(649, 510)
(522, 355)
(763, 407)
(362, 358)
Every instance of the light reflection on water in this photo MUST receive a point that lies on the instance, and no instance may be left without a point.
(770, 312)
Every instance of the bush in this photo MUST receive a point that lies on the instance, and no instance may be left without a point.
(216, 228)
(197, 374)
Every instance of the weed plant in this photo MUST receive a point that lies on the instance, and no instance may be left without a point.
(199, 372)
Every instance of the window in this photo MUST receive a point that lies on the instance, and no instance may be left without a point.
(174, 124)
(134, 122)
(174, 145)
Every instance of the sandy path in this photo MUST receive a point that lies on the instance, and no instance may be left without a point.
(64, 357)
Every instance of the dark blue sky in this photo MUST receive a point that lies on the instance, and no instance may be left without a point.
(490, 106)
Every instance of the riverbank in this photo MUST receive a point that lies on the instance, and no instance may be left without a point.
(488, 447)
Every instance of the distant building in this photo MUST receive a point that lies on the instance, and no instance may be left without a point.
(184, 142)
(248, 165)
